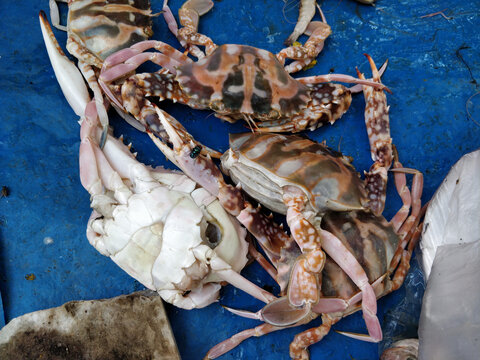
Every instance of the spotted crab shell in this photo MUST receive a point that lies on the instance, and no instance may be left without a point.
(264, 163)
(240, 79)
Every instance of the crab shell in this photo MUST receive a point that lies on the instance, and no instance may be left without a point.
(371, 239)
(265, 163)
(240, 79)
(165, 231)
(97, 29)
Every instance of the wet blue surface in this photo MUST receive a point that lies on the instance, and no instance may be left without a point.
(45, 258)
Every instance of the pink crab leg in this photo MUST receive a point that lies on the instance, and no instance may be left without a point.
(305, 15)
(280, 313)
(412, 220)
(169, 18)
(378, 129)
(189, 14)
(258, 257)
(164, 48)
(126, 60)
(359, 87)
(345, 259)
(341, 78)
(401, 184)
(224, 270)
(68, 76)
(304, 55)
(173, 27)
(305, 282)
(227, 345)
(134, 62)
(299, 345)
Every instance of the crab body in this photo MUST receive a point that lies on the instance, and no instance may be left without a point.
(235, 81)
(242, 82)
(265, 163)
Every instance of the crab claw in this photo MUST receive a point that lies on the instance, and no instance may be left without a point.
(185, 155)
(278, 313)
(68, 76)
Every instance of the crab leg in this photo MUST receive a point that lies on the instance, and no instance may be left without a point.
(55, 14)
(398, 220)
(345, 259)
(342, 78)
(189, 15)
(305, 15)
(299, 345)
(378, 128)
(124, 61)
(305, 282)
(318, 32)
(405, 228)
(227, 345)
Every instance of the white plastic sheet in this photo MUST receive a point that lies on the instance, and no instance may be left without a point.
(453, 215)
(449, 325)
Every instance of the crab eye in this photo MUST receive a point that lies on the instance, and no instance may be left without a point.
(273, 114)
(217, 105)
(213, 235)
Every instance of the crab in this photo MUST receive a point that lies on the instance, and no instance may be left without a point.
(366, 256)
(235, 81)
(98, 29)
(303, 179)
(158, 225)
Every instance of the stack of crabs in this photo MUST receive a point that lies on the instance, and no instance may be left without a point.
(183, 234)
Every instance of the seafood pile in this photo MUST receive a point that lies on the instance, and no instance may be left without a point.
(186, 233)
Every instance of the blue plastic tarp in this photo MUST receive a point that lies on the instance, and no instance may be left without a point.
(45, 258)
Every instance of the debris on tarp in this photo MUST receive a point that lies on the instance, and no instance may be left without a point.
(131, 326)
